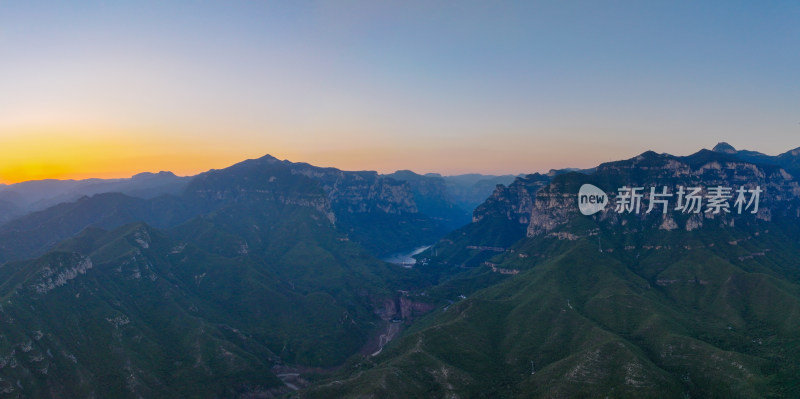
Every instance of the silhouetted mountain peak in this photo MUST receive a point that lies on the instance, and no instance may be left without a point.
(556, 172)
(649, 155)
(404, 174)
(724, 148)
(145, 175)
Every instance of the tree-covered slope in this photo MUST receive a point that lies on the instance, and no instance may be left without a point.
(616, 304)
(711, 313)
(214, 307)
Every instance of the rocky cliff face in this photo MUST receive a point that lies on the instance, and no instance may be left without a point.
(556, 204)
(329, 190)
(402, 308)
(553, 206)
(379, 213)
(360, 192)
(59, 271)
(430, 187)
(514, 202)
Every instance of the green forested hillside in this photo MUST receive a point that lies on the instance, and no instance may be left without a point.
(699, 314)
(210, 308)
(615, 304)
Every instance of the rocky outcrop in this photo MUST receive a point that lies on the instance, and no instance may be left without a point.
(379, 213)
(403, 308)
(430, 188)
(555, 204)
(60, 271)
(552, 208)
(328, 190)
(514, 202)
(360, 192)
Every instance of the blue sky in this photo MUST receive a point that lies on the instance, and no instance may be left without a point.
(451, 87)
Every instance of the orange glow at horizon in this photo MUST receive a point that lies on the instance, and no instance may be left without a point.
(95, 153)
(37, 156)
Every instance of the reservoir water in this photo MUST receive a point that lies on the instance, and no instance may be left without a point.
(405, 258)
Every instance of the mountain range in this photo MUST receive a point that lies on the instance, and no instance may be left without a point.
(30, 196)
(617, 304)
(361, 202)
(213, 288)
(264, 280)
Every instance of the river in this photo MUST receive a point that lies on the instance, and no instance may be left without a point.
(405, 258)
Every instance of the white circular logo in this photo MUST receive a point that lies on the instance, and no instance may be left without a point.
(591, 199)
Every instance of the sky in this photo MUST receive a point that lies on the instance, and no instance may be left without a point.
(114, 88)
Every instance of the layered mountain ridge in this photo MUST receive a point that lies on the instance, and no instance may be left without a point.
(248, 276)
(354, 198)
(214, 307)
(25, 197)
(779, 195)
(616, 304)
(260, 280)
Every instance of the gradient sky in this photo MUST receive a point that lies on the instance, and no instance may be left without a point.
(110, 89)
